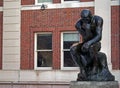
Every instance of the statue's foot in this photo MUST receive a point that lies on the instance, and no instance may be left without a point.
(104, 75)
(81, 77)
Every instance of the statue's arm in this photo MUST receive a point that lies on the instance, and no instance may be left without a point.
(98, 31)
(97, 38)
(78, 27)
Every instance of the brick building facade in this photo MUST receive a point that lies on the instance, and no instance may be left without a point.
(23, 22)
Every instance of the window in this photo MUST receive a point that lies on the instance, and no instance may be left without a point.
(69, 0)
(43, 50)
(68, 38)
(43, 1)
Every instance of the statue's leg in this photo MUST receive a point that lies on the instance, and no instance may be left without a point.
(104, 74)
(102, 60)
(76, 56)
(93, 61)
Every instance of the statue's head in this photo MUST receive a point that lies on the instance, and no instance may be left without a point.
(86, 15)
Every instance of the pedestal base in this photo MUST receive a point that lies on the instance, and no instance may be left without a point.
(94, 84)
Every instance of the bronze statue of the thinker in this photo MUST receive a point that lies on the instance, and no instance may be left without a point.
(87, 55)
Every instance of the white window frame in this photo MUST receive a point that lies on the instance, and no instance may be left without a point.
(36, 3)
(35, 52)
(62, 53)
(62, 1)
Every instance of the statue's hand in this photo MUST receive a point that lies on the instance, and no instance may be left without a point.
(85, 47)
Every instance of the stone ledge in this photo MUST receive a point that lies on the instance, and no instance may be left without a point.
(35, 83)
(94, 84)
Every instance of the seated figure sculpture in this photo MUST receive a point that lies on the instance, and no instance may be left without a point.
(87, 55)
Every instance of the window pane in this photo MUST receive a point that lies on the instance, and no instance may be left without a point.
(42, 1)
(68, 44)
(44, 59)
(68, 62)
(44, 41)
(69, 39)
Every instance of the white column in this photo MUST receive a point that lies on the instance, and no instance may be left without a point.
(11, 35)
(103, 9)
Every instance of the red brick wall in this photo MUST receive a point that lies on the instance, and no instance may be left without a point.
(86, 0)
(1, 23)
(27, 2)
(55, 21)
(1, 2)
(56, 1)
(115, 12)
(32, 2)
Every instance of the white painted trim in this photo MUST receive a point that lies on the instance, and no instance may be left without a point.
(35, 2)
(116, 2)
(116, 73)
(62, 1)
(1, 8)
(61, 51)
(35, 54)
(57, 6)
(104, 10)
(62, 61)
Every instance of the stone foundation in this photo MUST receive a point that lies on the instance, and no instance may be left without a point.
(94, 84)
(34, 85)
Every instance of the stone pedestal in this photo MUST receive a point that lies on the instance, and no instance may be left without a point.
(94, 84)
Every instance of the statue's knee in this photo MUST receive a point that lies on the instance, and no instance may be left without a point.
(102, 57)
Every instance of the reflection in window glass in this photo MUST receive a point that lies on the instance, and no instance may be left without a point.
(68, 62)
(44, 50)
(44, 59)
(68, 40)
(44, 41)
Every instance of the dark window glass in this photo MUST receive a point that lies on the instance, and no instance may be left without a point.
(68, 44)
(68, 62)
(44, 41)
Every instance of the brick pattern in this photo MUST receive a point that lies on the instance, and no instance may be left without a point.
(86, 0)
(1, 27)
(27, 2)
(1, 2)
(56, 1)
(115, 36)
(55, 21)
(32, 2)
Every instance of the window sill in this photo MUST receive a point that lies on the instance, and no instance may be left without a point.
(70, 68)
(43, 68)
